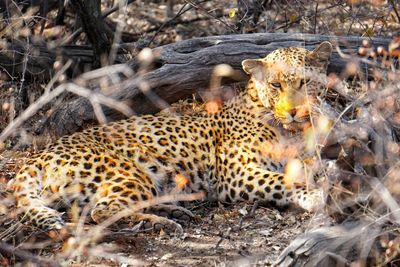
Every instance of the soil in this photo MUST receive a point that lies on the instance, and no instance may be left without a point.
(220, 241)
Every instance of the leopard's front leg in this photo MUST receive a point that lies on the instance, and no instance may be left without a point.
(172, 211)
(262, 185)
(107, 208)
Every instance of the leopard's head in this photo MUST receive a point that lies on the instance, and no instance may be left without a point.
(288, 80)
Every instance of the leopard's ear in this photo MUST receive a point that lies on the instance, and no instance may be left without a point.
(320, 56)
(254, 67)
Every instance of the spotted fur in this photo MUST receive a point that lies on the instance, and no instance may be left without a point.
(113, 166)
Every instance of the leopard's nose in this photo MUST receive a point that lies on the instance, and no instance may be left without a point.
(292, 112)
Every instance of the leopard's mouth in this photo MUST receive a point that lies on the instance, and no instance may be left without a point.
(287, 118)
(294, 119)
(293, 122)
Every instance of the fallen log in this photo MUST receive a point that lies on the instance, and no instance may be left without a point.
(185, 68)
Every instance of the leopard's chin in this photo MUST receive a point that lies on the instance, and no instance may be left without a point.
(296, 126)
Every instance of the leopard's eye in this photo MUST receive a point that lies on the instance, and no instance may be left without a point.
(276, 85)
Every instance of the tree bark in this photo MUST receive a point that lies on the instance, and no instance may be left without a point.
(185, 68)
(94, 26)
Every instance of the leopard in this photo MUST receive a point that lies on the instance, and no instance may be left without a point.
(110, 168)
